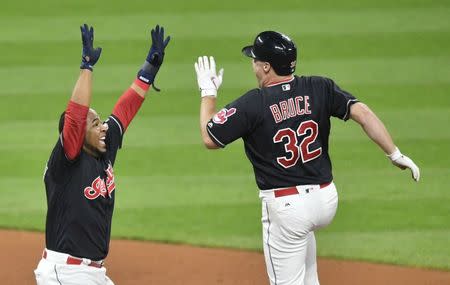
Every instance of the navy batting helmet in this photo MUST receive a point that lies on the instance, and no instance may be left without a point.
(276, 49)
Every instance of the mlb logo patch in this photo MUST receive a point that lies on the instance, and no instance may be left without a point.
(286, 87)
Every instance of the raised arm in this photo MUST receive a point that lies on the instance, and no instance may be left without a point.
(77, 109)
(208, 83)
(207, 110)
(376, 131)
(129, 103)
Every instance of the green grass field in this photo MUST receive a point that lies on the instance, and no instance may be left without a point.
(392, 55)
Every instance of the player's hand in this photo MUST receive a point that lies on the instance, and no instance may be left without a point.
(155, 56)
(403, 162)
(207, 78)
(90, 54)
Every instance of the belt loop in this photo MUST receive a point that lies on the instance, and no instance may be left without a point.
(86, 261)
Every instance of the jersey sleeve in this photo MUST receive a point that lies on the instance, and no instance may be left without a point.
(114, 137)
(74, 129)
(235, 120)
(59, 164)
(123, 113)
(127, 107)
(339, 101)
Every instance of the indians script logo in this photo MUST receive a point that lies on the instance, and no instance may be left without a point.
(222, 116)
(99, 188)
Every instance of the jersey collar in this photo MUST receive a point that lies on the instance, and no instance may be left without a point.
(281, 82)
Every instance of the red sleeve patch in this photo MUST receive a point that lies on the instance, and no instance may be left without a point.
(222, 116)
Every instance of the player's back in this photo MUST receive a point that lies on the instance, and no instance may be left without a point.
(290, 144)
(285, 128)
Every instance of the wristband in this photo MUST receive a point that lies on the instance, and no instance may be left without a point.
(86, 65)
(142, 84)
(395, 155)
(208, 92)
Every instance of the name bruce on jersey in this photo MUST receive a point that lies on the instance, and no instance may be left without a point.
(290, 108)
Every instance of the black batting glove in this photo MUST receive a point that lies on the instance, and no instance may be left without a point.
(90, 55)
(154, 58)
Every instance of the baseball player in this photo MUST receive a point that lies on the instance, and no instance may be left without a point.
(79, 177)
(285, 125)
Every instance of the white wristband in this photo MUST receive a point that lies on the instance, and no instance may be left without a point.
(395, 155)
(208, 92)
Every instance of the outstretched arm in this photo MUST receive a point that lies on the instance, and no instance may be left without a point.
(82, 91)
(207, 110)
(78, 107)
(376, 131)
(208, 83)
(129, 103)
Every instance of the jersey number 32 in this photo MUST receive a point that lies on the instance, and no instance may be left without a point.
(293, 149)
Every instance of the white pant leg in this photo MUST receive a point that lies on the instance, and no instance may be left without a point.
(329, 199)
(284, 249)
(266, 236)
(45, 274)
(289, 242)
(109, 281)
(50, 273)
(311, 277)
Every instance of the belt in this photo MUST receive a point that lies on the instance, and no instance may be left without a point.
(293, 190)
(77, 261)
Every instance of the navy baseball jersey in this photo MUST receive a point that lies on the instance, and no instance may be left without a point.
(80, 198)
(285, 128)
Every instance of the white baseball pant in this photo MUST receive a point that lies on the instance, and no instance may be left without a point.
(54, 270)
(289, 222)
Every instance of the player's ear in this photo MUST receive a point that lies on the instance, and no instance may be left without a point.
(266, 67)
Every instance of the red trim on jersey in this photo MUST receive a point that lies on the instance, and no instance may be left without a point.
(141, 84)
(127, 106)
(280, 82)
(74, 129)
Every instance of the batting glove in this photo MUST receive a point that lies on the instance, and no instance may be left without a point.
(403, 162)
(90, 55)
(207, 79)
(154, 58)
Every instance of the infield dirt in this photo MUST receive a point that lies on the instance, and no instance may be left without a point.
(137, 262)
